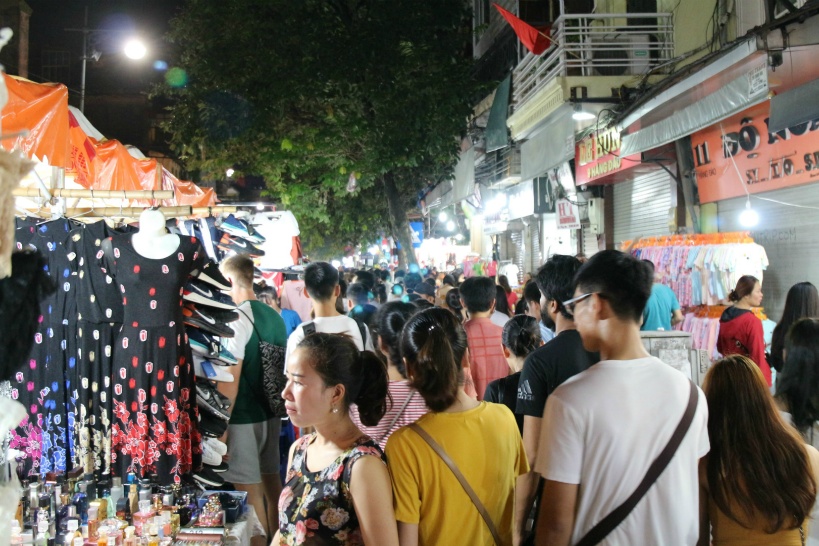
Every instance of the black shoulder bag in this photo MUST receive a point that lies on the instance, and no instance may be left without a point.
(616, 517)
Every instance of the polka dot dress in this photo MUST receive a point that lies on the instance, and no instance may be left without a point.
(89, 368)
(40, 385)
(154, 407)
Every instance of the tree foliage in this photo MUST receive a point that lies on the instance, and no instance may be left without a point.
(307, 93)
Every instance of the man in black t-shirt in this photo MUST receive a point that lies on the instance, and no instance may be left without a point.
(546, 368)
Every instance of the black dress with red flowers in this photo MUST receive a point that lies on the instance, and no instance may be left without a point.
(154, 425)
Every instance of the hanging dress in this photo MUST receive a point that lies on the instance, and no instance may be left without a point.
(89, 370)
(154, 420)
(40, 384)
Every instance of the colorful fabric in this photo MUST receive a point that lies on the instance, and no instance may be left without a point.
(400, 391)
(316, 507)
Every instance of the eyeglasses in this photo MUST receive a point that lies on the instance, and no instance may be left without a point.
(570, 304)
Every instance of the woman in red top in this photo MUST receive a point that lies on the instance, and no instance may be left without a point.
(740, 331)
(511, 296)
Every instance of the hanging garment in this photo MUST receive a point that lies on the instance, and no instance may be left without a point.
(154, 426)
(89, 368)
(40, 384)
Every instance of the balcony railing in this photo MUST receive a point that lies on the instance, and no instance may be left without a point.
(499, 168)
(596, 45)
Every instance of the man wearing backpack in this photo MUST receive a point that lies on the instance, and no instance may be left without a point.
(321, 285)
(253, 432)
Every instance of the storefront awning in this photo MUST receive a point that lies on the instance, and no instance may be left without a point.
(793, 107)
(551, 146)
(729, 84)
(497, 136)
(464, 184)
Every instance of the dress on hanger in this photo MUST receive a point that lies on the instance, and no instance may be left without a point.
(99, 320)
(154, 426)
(40, 384)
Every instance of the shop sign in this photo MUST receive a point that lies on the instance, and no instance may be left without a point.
(521, 200)
(568, 216)
(765, 161)
(417, 232)
(598, 156)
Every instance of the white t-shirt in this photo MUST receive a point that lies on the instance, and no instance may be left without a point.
(243, 329)
(604, 427)
(499, 318)
(329, 325)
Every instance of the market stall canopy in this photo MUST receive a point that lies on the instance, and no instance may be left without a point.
(62, 136)
(42, 110)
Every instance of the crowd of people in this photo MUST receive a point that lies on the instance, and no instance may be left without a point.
(435, 409)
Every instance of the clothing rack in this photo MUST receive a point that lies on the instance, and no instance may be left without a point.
(134, 212)
(91, 194)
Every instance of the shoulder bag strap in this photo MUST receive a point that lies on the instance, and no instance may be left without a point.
(469, 491)
(616, 517)
(397, 416)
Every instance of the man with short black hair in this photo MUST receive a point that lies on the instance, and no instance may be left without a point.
(531, 297)
(547, 367)
(321, 284)
(425, 291)
(484, 338)
(367, 278)
(360, 308)
(411, 280)
(605, 427)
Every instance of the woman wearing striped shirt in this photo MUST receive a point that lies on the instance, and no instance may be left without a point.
(407, 405)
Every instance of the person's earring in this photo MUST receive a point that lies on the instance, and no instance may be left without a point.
(335, 409)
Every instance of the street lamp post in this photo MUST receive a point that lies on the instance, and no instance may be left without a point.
(134, 50)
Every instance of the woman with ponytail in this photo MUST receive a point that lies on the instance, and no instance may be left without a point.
(407, 405)
(480, 438)
(740, 331)
(521, 336)
(337, 488)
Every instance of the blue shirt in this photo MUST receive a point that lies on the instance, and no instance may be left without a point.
(545, 334)
(659, 308)
(291, 320)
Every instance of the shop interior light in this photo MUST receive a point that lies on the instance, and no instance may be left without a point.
(495, 205)
(748, 217)
(450, 225)
(580, 114)
(259, 206)
(459, 237)
(443, 216)
(229, 172)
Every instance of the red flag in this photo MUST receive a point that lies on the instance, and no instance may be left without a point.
(534, 40)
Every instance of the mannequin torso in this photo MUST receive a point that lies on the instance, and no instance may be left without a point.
(152, 241)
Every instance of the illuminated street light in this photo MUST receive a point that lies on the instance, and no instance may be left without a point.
(450, 225)
(229, 172)
(443, 216)
(135, 49)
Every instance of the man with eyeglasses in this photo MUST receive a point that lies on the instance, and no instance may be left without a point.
(545, 369)
(607, 425)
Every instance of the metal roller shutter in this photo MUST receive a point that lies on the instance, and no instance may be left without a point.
(534, 256)
(641, 206)
(789, 235)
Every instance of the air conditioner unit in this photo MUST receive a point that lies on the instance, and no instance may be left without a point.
(780, 9)
(620, 54)
(750, 14)
(596, 216)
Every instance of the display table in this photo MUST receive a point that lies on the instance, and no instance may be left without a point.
(247, 527)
